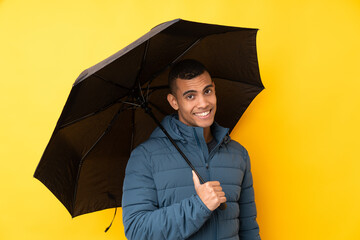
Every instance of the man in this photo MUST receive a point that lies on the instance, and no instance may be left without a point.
(162, 198)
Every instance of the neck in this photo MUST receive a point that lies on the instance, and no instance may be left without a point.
(207, 135)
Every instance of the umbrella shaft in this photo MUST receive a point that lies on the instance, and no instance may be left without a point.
(148, 111)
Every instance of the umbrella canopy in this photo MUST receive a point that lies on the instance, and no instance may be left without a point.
(84, 162)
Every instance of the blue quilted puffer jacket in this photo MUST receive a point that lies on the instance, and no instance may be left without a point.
(159, 198)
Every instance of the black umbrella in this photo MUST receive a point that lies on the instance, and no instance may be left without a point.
(103, 119)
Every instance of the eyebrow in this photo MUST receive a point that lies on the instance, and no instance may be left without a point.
(193, 91)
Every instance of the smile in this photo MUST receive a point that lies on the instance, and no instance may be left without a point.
(203, 114)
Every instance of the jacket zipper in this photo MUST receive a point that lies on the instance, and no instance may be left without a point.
(199, 146)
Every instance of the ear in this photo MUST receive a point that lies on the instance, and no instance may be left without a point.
(172, 101)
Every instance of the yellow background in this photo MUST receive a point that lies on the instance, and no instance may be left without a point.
(302, 131)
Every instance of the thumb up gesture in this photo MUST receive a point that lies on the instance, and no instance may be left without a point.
(210, 193)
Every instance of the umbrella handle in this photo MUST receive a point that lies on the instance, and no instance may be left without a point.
(223, 206)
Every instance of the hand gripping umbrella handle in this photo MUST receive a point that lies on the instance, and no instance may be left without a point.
(222, 206)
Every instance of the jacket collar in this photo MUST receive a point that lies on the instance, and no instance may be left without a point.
(181, 132)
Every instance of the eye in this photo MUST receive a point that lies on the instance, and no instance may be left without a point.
(190, 96)
(208, 91)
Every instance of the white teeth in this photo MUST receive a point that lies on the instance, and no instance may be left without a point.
(202, 114)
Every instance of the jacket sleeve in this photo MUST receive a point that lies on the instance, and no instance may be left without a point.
(142, 217)
(249, 228)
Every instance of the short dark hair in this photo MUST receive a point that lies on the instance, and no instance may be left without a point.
(185, 69)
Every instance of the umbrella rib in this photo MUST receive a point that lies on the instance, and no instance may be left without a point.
(186, 50)
(141, 93)
(158, 108)
(163, 69)
(111, 82)
(130, 103)
(176, 59)
(228, 79)
(142, 67)
(91, 148)
(96, 112)
(147, 91)
(88, 115)
(133, 130)
(150, 90)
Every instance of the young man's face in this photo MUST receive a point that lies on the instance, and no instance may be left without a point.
(195, 100)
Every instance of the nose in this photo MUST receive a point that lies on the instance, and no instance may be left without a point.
(202, 102)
